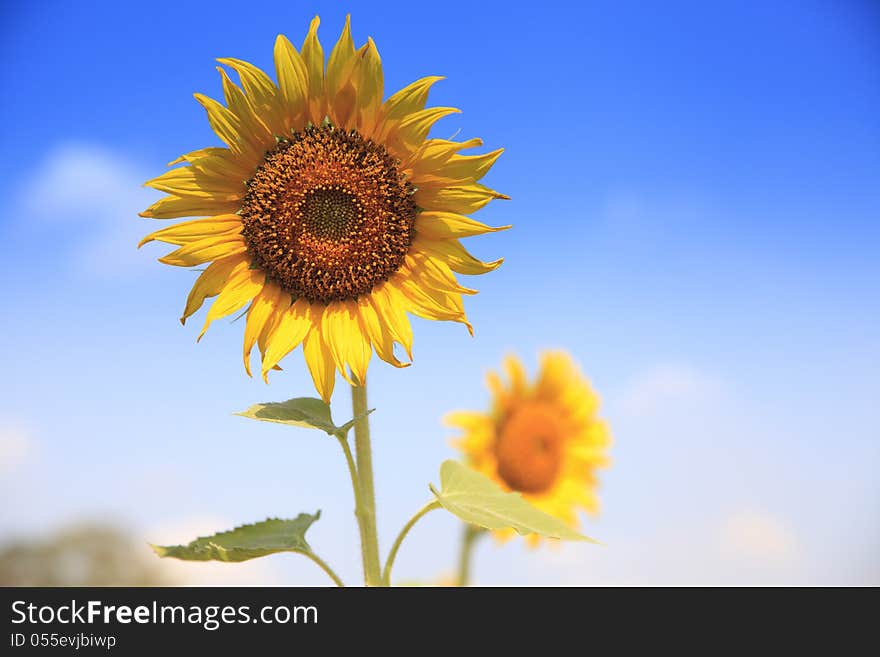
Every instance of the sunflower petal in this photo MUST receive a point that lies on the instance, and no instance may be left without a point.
(252, 129)
(371, 86)
(241, 287)
(340, 66)
(209, 284)
(434, 153)
(192, 156)
(433, 304)
(516, 373)
(410, 99)
(319, 361)
(436, 273)
(463, 198)
(259, 314)
(343, 336)
(467, 167)
(196, 182)
(293, 80)
(172, 207)
(413, 129)
(313, 57)
(289, 330)
(390, 306)
(223, 121)
(446, 225)
(379, 334)
(189, 231)
(455, 255)
(262, 94)
(205, 250)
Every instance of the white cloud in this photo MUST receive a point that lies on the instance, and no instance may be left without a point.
(757, 535)
(97, 191)
(16, 447)
(666, 387)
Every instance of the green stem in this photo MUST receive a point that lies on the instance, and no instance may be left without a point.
(323, 566)
(389, 563)
(356, 487)
(468, 539)
(366, 509)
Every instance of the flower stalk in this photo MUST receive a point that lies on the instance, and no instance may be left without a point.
(468, 540)
(365, 496)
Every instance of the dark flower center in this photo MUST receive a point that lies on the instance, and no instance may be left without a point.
(328, 215)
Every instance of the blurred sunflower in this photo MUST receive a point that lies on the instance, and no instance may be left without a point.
(329, 213)
(542, 439)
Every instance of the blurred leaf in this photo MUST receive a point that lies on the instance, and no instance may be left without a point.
(246, 542)
(477, 499)
(306, 412)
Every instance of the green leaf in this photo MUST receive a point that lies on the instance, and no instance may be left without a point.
(246, 542)
(306, 412)
(476, 499)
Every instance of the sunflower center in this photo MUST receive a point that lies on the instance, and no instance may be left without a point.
(529, 448)
(328, 215)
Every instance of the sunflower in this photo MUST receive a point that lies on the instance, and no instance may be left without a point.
(542, 439)
(328, 215)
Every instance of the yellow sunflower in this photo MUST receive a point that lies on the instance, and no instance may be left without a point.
(543, 439)
(328, 213)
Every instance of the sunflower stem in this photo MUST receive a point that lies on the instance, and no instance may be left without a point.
(389, 563)
(468, 539)
(325, 567)
(366, 502)
(355, 487)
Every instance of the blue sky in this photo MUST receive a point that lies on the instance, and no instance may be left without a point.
(695, 194)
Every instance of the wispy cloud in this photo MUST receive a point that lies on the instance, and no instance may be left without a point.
(666, 386)
(17, 447)
(98, 192)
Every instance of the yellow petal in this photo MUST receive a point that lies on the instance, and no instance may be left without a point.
(208, 284)
(225, 165)
(289, 330)
(433, 304)
(390, 306)
(251, 129)
(435, 273)
(413, 129)
(223, 121)
(408, 100)
(189, 231)
(196, 182)
(262, 94)
(467, 167)
(263, 307)
(466, 420)
(192, 156)
(446, 225)
(241, 287)
(455, 255)
(359, 351)
(434, 153)
(293, 81)
(205, 250)
(319, 361)
(516, 373)
(370, 88)
(342, 334)
(340, 66)
(313, 57)
(462, 199)
(172, 207)
(378, 333)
